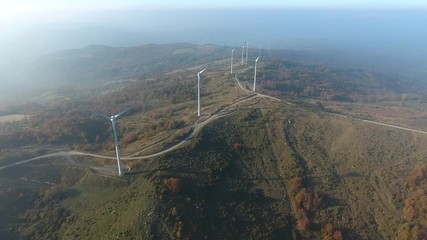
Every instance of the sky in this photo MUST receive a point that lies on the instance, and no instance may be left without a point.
(216, 3)
(390, 29)
(42, 11)
(45, 20)
(13, 7)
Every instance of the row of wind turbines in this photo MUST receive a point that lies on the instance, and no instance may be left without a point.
(113, 118)
(242, 62)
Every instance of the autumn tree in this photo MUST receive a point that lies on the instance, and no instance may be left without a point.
(173, 184)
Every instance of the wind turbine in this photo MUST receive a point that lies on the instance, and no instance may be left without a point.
(247, 51)
(198, 91)
(256, 62)
(113, 119)
(231, 65)
(243, 52)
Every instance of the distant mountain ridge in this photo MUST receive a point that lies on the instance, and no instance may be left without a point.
(99, 63)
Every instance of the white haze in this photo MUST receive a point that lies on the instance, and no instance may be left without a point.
(389, 41)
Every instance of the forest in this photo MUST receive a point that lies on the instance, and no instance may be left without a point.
(329, 83)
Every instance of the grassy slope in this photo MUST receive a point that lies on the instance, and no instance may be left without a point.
(91, 206)
(232, 186)
(360, 168)
(235, 178)
(357, 168)
(108, 208)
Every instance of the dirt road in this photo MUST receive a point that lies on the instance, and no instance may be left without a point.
(197, 127)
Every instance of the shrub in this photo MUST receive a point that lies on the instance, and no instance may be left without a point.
(174, 185)
(328, 230)
(178, 229)
(416, 176)
(296, 184)
(338, 235)
(303, 224)
(330, 233)
(415, 206)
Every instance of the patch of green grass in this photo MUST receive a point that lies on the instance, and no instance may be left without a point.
(108, 207)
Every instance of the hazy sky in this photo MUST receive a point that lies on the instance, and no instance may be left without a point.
(11, 7)
(223, 3)
(45, 22)
(32, 28)
(14, 4)
(33, 11)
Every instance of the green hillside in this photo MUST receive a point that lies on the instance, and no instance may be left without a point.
(252, 166)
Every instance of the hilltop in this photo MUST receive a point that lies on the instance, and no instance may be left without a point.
(295, 161)
(80, 69)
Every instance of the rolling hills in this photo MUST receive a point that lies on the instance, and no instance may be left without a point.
(251, 167)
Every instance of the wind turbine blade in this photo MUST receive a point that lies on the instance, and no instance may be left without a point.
(122, 112)
(102, 115)
(202, 71)
(256, 60)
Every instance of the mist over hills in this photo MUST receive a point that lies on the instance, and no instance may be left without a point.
(33, 58)
(85, 68)
(331, 145)
(102, 63)
(274, 165)
(390, 41)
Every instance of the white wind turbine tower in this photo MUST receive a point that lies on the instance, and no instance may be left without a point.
(256, 62)
(198, 91)
(113, 119)
(247, 51)
(231, 65)
(243, 52)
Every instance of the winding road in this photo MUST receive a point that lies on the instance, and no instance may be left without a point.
(382, 124)
(197, 127)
